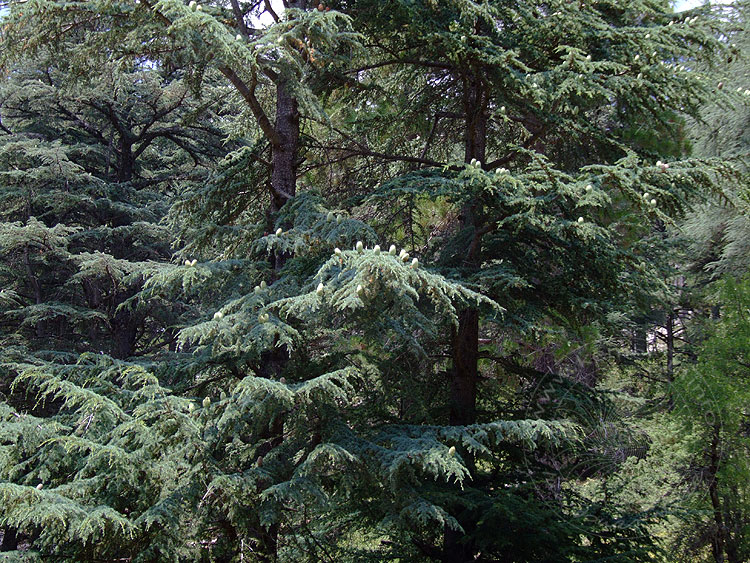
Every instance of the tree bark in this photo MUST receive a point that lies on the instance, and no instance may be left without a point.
(284, 154)
(465, 338)
(10, 539)
(284, 149)
(126, 164)
(284, 158)
(465, 342)
(36, 287)
(455, 551)
(670, 346)
(718, 542)
(475, 109)
(639, 341)
(284, 162)
(124, 334)
(463, 409)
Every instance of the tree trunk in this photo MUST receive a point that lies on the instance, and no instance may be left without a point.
(268, 539)
(475, 134)
(455, 551)
(670, 346)
(284, 158)
(36, 289)
(10, 539)
(124, 333)
(718, 542)
(124, 324)
(465, 342)
(284, 155)
(283, 188)
(126, 164)
(465, 338)
(639, 342)
(463, 408)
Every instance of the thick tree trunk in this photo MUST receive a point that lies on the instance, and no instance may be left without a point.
(124, 324)
(10, 539)
(465, 359)
(268, 539)
(284, 155)
(126, 164)
(36, 289)
(124, 333)
(465, 338)
(639, 341)
(465, 344)
(475, 134)
(455, 551)
(283, 188)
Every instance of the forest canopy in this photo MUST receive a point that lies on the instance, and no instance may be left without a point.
(357, 280)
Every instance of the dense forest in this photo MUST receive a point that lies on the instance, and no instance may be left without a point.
(374, 280)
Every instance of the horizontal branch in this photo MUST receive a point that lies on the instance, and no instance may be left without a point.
(354, 152)
(416, 62)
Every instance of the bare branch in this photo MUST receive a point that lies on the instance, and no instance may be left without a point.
(269, 9)
(248, 93)
(239, 17)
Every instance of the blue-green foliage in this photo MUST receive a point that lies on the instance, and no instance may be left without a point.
(285, 385)
(131, 467)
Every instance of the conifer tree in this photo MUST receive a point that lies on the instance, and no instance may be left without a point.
(84, 170)
(554, 92)
(719, 230)
(711, 398)
(86, 166)
(326, 396)
(281, 448)
(714, 268)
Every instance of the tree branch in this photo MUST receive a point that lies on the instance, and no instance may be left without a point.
(269, 9)
(416, 62)
(514, 153)
(239, 17)
(353, 152)
(4, 129)
(92, 130)
(248, 93)
(159, 114)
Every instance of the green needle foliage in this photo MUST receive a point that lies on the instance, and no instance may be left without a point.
(342, 286)
(711, 403)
